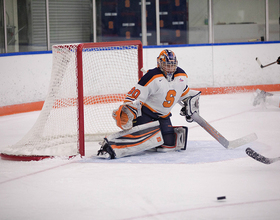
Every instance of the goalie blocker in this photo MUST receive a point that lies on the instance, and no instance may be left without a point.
(138, 139)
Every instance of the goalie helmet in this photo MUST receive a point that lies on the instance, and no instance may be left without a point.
(167, 62)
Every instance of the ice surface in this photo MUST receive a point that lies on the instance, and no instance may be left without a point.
(150, 185)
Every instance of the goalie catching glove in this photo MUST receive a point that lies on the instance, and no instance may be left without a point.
(191, 105)
(126, 113)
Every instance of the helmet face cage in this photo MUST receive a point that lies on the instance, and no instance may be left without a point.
(167, 62)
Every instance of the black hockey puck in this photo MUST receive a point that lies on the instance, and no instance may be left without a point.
(221, 197)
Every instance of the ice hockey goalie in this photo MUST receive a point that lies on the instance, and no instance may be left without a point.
(144, 117)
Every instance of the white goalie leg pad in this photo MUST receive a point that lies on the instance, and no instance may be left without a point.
(182, 137)
(181, 140)
(135, 140)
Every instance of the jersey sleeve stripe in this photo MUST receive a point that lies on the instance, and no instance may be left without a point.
(186, 92)
(129, 99)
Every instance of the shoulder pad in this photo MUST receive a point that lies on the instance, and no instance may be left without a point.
(149, 75)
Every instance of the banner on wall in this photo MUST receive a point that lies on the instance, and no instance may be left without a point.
(121, 20)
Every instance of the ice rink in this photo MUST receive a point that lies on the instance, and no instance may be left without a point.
(150, 185)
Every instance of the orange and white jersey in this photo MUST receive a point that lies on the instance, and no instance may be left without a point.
(159, 95)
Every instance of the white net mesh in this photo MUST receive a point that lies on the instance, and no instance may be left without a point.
(108, 74)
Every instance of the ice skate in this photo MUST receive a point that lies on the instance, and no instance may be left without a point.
(106, 151)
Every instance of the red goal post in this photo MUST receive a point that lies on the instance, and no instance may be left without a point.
(88, 81)
(80, 49)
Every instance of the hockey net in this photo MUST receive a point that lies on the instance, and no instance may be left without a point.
(88, 81)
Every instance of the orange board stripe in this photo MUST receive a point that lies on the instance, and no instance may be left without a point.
(234, 89)
(102, 99)
(21, 108)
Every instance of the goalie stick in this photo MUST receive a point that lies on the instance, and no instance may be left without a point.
(259, 62)
(251, 153)
(220, 138)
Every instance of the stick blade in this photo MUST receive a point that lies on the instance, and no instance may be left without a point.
(251, 153)
(242, 141)
(259, 62)
(258, 157)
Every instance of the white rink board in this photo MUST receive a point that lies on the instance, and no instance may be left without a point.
(27, 80)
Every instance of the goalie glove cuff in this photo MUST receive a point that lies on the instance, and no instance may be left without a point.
(123, 117)
(184, 113)
(126, 113)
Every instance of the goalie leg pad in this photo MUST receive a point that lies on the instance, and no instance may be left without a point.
(182, 137)
(181, 140)
(135, 140)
